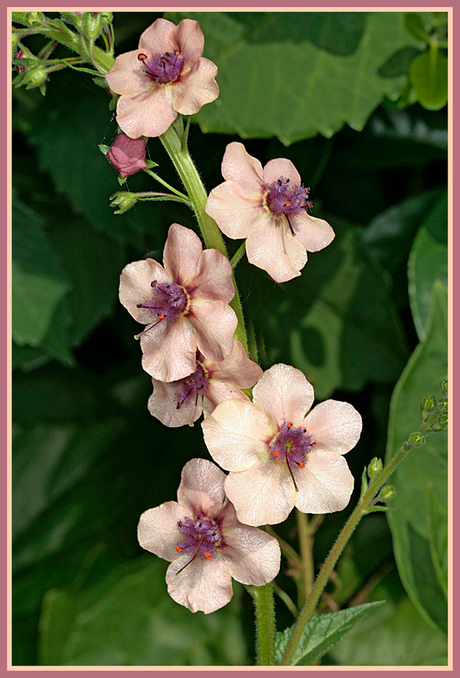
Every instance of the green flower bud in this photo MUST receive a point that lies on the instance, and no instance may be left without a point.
(436, 426)
(375, 467)
(387, 493)
(35, 77)
(429, 403)
(416, 439)
(14, 42)
(107, 17)
(92, 24)
(442, 404)
(442, 421)
(124, 201)
(444, 385)
(34, 19)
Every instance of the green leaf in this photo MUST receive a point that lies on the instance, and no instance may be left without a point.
(38, 280)
(423, 473)
(428, 77)
(292, 75)
(392, 635)
(335, 322)
(321, 633)
(416, 26)
(128, 619)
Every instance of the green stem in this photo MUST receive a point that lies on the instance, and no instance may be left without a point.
(265, 623)
(238, 254)
(177, 150)
(306, 553)
(362, 508)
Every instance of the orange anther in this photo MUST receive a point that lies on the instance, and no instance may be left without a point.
(161, 316)
(207, 555)
(176, 53)
(178, 549)
(287, 203)
(275, 454)
(289, 424)
(301, 464)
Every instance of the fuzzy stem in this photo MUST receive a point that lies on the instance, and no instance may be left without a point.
(265, 623)
(173, 142)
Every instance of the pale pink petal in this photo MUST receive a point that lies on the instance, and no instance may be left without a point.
(162, 404)
(325, 484)
(237, 368)
(313, 233)
(263, 494)
(272, 248)
(281, 167)
(243, 169)
(252, 556)
(195, 88)
(236, 434)
(135, 287)
(149, 114)
(188, 38)
(334, 426)
(213, 278)
(158, 531)
(218, 392)
(214, 323)
(182, 253)
(201, 487)
(284, 393)
(204, 585)
(236, 214)
(126, 76)
(169, 351)
(159, 37)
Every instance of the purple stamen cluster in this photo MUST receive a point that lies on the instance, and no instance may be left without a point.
(169, 301)
(291, 444)
(283, 198)
(163, 68)
(192, 386)
(202, 536)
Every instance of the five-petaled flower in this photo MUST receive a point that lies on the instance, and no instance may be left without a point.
(278, 455)
(182, 402)
(167, 75)
(205, 541)
(127, 155)
(268, 206)
(184, 305)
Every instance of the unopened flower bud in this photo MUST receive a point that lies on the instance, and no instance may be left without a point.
(444, 385)
(35, 78)
(429, 403)
(375, 467)
(127, 155)
(124, 202)
(442, 404)
(92, 24)
(387, 493)
(416, 439)
(34, 19)
(442, 421)
(436, 426)
(106, 17)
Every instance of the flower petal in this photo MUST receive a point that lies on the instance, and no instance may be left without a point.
(204, 585)
(126, 76)
(313, 233)
(252, 556)
(162, 404)
(169, 351)
(135, 287)
(182, 253)
(284, 393)
(213, 278)
(243, 169)
(189, 39)
(263, 494)
(335, 426)
(325, 484)
(201, 487)
(281, 167)
(214, 323)
(236, 434)
(159, 37)
(149, 114)
(158, 531)
(195, 88)
(276, 251)
(235, 213)
(237, 368)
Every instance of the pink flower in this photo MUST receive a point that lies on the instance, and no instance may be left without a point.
(278, 455)
(182, 402)
(167, 75)
(127, 155)
(205, 541)
(184, 305)
(268, 206)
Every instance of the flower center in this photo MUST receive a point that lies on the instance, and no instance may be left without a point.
(283, 198)
(162, 68)
(202, 537)
(168, 302)
(291, 444)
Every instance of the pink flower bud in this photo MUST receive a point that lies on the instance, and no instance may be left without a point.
(127, 155)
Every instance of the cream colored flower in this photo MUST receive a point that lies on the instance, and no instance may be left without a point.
(279, 453)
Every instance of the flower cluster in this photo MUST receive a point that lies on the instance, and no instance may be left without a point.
(279, 452)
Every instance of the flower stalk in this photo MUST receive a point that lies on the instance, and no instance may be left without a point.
(265, 623)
